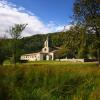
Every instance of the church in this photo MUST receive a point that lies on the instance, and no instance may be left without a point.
(44, 54)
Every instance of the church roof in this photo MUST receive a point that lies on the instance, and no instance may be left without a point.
(30, 54)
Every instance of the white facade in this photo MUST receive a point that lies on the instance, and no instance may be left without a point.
(45, 54)
(46, 47)
(71, 60)
(32, 57)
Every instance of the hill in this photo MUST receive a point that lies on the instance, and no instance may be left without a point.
(74, 43)
(69, 43)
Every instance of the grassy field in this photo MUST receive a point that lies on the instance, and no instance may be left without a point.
(50, 81)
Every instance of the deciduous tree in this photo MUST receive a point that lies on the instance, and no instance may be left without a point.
(87, 13)
(15, 33)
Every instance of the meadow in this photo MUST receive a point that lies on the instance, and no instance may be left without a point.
(50, 81)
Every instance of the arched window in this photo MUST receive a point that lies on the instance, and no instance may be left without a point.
(45, 49)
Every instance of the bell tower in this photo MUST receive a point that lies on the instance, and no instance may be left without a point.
(46, 46)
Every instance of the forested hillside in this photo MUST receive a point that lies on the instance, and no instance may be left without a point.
(75, 42)
(82, 40)
(72, 43)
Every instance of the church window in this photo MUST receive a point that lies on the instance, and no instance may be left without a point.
(45, 49)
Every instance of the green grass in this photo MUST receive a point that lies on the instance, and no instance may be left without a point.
(50, 81)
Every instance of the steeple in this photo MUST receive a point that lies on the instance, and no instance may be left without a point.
(46, 43)
(46, 46)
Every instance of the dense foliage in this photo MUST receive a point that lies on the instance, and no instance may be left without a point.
(72, 43)
(81, 41)
(15, 33)
(87, 13)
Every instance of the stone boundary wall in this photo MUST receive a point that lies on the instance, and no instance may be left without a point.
(71, 60)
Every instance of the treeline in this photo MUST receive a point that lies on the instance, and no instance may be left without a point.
(81, 41)
(74, 43)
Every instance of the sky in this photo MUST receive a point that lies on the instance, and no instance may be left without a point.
(42, 16)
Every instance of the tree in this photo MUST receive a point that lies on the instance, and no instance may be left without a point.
(2, 52)
(87, 13)
(3, 49)
(15, 33)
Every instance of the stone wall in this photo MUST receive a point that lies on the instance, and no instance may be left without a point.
(71, 60)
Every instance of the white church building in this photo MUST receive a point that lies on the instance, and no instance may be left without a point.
(44, 54)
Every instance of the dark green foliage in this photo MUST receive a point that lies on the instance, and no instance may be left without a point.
(33, 43)
(71, 44)
(15, 33)
(61, 53)
(4, 51)
(87, 14)
(2, 55)
(81, 41)
(74, 43)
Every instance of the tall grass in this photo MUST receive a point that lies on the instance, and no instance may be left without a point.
(50, 81)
